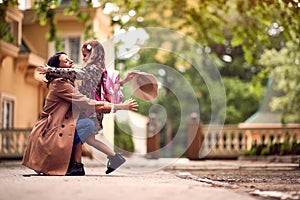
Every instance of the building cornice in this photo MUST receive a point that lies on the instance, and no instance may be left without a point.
(28, 59)
(29, 15)
(27, 62)
(14, 14)
(8, 49)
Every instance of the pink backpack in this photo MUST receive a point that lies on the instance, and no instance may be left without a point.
(110, 87)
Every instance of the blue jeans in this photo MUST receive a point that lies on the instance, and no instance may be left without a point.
(84, 128)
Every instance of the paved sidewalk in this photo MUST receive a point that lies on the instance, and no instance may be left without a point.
(139, 178)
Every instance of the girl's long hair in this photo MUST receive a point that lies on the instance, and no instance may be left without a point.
(97, 54)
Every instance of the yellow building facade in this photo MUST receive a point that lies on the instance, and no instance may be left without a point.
(22, 89)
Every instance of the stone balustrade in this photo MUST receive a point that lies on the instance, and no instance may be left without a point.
(230, 141)
(227, 141)
(13, 143)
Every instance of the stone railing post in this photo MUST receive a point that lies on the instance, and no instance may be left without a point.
(194, 137)
(153, 137)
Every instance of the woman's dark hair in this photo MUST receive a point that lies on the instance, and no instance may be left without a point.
(54, 60)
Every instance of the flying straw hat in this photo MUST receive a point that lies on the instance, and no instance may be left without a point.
(144, 86)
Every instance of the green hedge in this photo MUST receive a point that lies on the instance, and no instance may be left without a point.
(123, 139)
(281, 149)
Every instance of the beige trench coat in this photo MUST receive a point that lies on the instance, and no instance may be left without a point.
(50, 143)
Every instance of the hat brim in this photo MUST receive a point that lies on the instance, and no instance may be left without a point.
(145, 86)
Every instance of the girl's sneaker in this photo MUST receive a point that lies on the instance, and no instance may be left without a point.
(114, 162)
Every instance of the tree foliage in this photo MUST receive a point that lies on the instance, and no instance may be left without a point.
(5, 31)
(284, 66)
(249, 24)
(45, 12)
(241, 108)
(241, 29)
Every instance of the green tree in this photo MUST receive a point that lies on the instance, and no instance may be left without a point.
(250, 25)
(45, 12)
(284, 66)
(242, 100)
(240, 29)
(123, 138)
(5, 30)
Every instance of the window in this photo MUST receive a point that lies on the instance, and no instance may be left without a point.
(7, 107)
(24, 4)
(71, 46)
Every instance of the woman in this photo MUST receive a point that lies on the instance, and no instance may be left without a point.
(50, 143)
